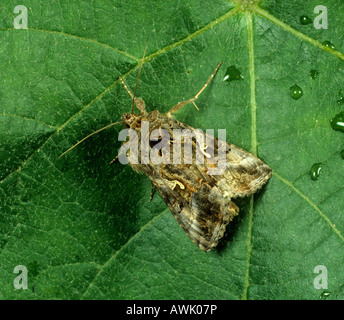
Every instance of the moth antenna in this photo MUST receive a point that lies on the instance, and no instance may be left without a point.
(125, 86)
(82, 140)
(181, 104)
(206, 84)
(138, 76)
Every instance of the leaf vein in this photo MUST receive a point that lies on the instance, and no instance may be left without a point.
(78, 38)
(311, 203)
(253, 146)
(114, 256)
(298, 34)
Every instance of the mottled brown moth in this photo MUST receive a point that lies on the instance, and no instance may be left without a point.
(202, 203)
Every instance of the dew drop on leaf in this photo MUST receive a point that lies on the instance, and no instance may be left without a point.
(296, 92)
(305, 20)
(324, 295)
(328, 44)
(337, 122)
(341, 99)
(232, 73)
(313, 73)
(315, 171)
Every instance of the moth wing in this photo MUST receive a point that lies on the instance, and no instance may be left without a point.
(203, 214)
(243, 174)
(201, 203)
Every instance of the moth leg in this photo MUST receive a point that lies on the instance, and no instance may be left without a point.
(151, 195)
(112, 161)
(140, 104)
(181, 104)
(233, 209)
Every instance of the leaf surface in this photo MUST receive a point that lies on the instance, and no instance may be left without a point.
(86, 230)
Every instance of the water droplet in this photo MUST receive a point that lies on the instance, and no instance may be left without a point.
(315, 171)
(232, 73)
(328, 44)
(296, 92)
(324, 295)
(342, 153)
(305, 20)
(337, 123)
(341, 99)
(313, 74)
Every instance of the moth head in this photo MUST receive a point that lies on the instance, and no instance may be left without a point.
(129, 118)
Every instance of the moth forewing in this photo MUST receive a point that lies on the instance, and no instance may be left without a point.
(201, 203)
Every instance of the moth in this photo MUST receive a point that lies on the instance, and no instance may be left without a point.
(202, 203)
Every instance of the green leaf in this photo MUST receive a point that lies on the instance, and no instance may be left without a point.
(85, 229)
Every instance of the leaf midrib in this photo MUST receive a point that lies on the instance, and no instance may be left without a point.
(253, 146)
